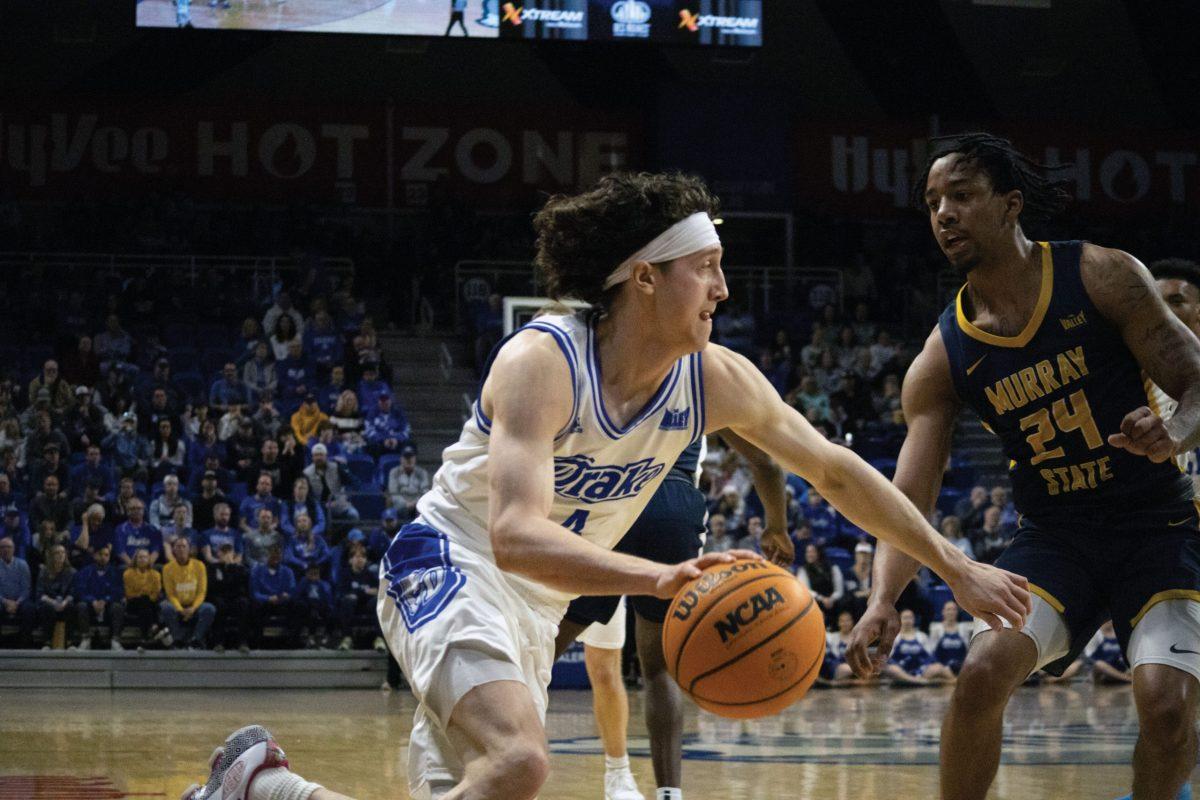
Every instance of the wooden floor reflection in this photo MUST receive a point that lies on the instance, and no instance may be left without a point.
(1070, 742)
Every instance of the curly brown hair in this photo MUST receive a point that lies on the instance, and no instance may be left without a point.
(582, 238)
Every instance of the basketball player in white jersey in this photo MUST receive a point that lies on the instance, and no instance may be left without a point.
(578, 420)
(1179, 284)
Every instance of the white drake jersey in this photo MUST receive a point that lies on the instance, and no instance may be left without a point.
(1164, 406)
(604, 474)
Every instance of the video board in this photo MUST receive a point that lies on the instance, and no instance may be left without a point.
(717, 23)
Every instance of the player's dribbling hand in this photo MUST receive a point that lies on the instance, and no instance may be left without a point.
(991, 594)
(1144, 433)
(878, 626)
(778, 547)
(674, 576)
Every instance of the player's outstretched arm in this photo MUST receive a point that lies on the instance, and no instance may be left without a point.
(739, 397)
(1166, 350)
(770, 483)
(930, 410)
(528, 399)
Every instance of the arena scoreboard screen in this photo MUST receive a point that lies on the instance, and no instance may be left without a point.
(716, 23)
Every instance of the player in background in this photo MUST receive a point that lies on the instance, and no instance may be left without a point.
(1047, 342)
(578, 420)
(1179, 286)
(669, 530)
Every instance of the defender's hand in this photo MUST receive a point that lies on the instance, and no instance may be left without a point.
(673, 577)
(1144, 433)
(878, 626)
(778, 548)
(990, 594)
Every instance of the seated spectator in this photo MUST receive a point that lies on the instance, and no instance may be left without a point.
(263, 497)
(53, 592)
(910, 662)
(114, 346)
(327, 395)
(158, 409)
(91, 470)
(181, 527)
(330, 482)
(16, 586)
(136, 534)
(295, 377)
(387, 429)
(381, 538)
(284, 335)
(307, 418)
(406, 484)
(826, 530)
(114, 393)
(1108, 660)
(990, 540)
(61, 397)
(229, 592)
(856, 584)
(847, 350)
(15, 528)
(160, 381)
(268, 420)
(950, 638)
(45, 539)
(162, 509)
(84, 422)
(184, 611)
(228, 390)
(735, 328)
(1008, 512)
(752, 540)
(810, 401)
(272, 592)
(99, 599)
(257, 541)
(242, 450)
(143, 588)
(834, 669)
(302, 502)
(851, 404)
(952, 530)
(130, 453)
(323, 343)
(205, 443)
(883, 354)
(357, 592)
(327, 437)
(248, 339)
(168, 451)
(731, 506)
(370, 387)
(44, 433)
(81, 367)
(50, 504)
(314, 597)
(221, 533)
(348, 423)
(719, 539)
(269, 463)
(50, 465)
(120, 504)
(206, 500)
(811, 353)
(282, 307)
(822, 579)
(258, 373)
(89, 535)
(306, 549)
(865, 330)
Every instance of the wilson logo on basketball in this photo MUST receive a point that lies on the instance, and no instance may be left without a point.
(579, 478)
(747, 612)
(708, 582)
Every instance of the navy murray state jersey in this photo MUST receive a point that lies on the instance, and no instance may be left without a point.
(1054, 393)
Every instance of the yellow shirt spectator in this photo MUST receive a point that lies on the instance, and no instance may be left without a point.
(142, 583)
(185, 584)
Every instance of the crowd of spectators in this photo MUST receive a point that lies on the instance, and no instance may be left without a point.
(208, 463)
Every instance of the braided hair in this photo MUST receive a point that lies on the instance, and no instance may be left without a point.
(1045, 195)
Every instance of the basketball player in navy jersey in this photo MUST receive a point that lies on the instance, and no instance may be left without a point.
(669, 530)
(577, 424)
(1047, 342)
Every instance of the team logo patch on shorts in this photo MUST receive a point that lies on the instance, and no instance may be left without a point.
(422, 580)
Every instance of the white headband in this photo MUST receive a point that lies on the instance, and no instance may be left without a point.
(689, 235)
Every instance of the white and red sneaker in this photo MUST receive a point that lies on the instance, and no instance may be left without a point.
(234, 766)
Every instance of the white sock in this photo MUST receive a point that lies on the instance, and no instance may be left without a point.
(618, 764)
(279, 784)
(668, 793)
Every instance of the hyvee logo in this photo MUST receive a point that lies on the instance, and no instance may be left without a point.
(727, 25)
(631, 18)
(563, 19)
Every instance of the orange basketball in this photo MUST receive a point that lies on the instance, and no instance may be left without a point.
(744, 640)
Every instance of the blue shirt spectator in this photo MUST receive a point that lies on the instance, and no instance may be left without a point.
(222, 533)
(94, 583)
(822, 519)
(387, 429)
(262, 498)
(327, 395)
(16, 527)
(370, 388)
(306, 549)
(323, 342)
(295, 377)
(127, 449)
(136, 534)
(316, 592)
(92, 470)
(291, 508)
(267, 581)
(228, 390)
(15, 580)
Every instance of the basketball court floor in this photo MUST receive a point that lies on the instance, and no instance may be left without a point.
(411, 17)
(846, 744)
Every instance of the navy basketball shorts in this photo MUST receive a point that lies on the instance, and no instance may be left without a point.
(669, 530)
(1140, 568)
